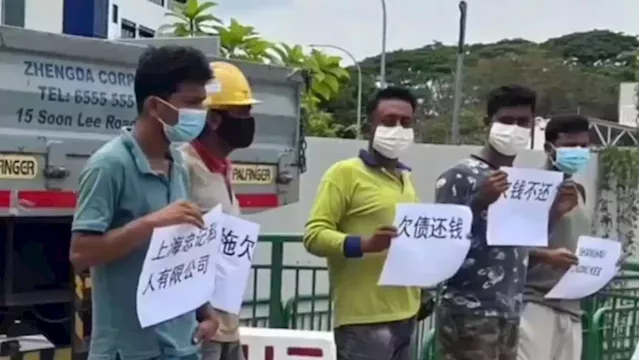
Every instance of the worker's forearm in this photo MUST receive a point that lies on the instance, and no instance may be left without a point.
(325, 242)
(93, 250)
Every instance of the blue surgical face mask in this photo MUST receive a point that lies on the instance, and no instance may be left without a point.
(570, 160)
(189, 126)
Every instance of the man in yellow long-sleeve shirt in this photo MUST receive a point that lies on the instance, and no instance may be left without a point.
(351, 225)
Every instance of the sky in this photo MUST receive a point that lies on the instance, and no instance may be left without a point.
(356, 25)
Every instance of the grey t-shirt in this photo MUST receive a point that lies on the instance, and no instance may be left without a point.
(541, 278)
(491, 279)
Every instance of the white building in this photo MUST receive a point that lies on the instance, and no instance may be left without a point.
(93, 18)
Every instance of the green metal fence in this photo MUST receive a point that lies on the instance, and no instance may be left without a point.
(290, 295)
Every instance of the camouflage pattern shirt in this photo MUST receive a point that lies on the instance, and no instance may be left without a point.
(491, 280)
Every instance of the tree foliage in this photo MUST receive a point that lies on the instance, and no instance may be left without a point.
(579, 72)
(243, 42)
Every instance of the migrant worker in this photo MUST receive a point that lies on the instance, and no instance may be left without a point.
(351, 226)
(229, 126)
(482, 303)
(551, 328)
(131, 185)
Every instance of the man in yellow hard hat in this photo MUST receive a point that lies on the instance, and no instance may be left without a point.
(229, 126)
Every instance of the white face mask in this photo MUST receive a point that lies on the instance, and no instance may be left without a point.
(391, 141)
(508, 139)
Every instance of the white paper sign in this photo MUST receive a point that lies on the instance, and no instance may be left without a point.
(521, 216)
(597, 265)
(636, 354)
(238, 240)
(431, 245)
(178, 271)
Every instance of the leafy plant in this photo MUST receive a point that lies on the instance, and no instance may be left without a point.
(617, 192)
(243, 42)
(191, 19)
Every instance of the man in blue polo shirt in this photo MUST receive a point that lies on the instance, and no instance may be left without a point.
(130, 186)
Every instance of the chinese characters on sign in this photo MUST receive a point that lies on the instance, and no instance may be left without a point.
(435, 227)
(238, 240)
(179, 261)
(431, 245)
(521, 216)
(527, 190)
(235, 245)
(597, 265)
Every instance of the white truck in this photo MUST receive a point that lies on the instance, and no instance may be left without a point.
(61, 98)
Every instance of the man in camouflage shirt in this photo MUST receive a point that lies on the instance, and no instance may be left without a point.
(482, 303)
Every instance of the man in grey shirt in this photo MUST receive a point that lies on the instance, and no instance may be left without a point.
(549, 328)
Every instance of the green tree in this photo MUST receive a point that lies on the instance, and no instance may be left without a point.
(192, 18)
(243, 42)
(576, 72)
(325, 77)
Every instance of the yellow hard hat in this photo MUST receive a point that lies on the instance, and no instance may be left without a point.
(229, 87)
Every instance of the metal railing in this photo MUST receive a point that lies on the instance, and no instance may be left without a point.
(295, 294)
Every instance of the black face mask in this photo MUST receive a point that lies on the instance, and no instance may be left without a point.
(238, 132)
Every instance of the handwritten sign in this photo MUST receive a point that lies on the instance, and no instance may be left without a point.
(521, 216)
(237, 244)
(597, 265)
(431, 245)
(179, 262)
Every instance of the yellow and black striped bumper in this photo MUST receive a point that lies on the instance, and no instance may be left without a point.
(48, 354)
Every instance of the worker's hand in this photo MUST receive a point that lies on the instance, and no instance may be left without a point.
(380, 240)
(492, 187)
(560, 258)
(179, 212)
(206, 330)
(566, 199)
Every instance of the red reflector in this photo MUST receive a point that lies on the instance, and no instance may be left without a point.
(34, 199)
(47, 199)
(5, 199)
(67, 199)
(268, 353)
(258, 200)
(303, 351)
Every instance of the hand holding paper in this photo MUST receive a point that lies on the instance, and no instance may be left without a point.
(431, 245)
(597, 259)
(380, 240)
(492, 188)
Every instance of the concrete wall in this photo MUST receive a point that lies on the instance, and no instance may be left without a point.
(427, 161)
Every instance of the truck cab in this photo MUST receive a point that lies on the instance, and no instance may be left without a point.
(62, 98)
